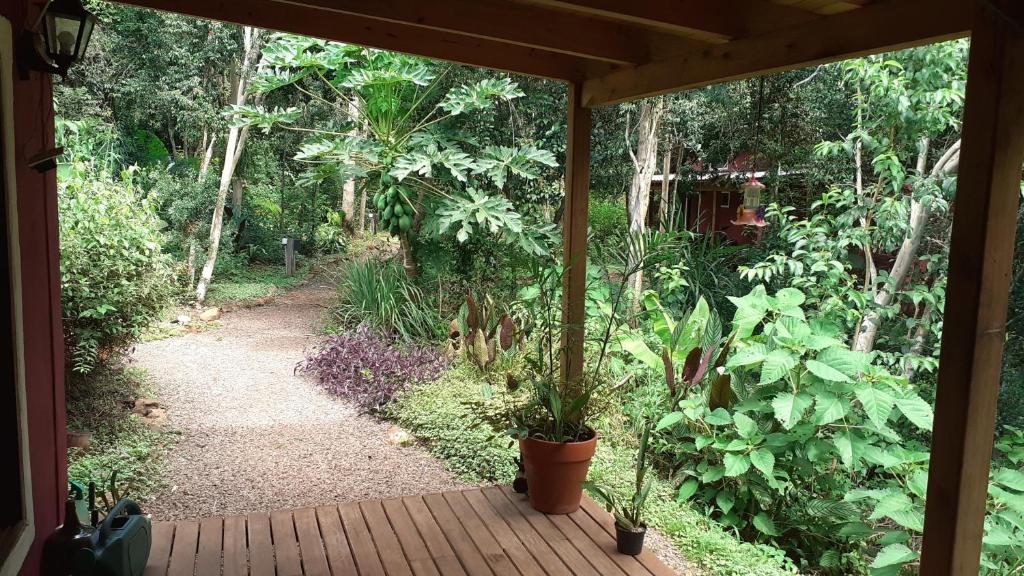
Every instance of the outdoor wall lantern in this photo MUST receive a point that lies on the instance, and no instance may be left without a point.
(60, 37)
(751, 213)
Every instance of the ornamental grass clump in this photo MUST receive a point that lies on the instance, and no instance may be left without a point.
(370, 369)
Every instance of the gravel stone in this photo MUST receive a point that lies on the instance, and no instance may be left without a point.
(256, 437)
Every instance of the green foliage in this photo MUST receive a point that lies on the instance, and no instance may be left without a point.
(629, 513)
(114, 278)
(608, 224)
(444, 414)
(244, 284)
(381, 295)
(121, 443)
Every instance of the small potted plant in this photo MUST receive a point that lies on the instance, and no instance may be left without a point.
(630, 528)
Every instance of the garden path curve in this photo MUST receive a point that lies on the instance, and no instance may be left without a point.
(256, 437)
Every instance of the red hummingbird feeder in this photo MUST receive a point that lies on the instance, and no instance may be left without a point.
(751, 213)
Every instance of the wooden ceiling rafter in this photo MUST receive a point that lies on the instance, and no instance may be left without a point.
(820, 41)
(385, 35)
(523, 25)
(718, 21)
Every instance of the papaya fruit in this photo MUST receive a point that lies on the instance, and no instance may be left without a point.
(398, 211)
(404, 223)
(388, 211)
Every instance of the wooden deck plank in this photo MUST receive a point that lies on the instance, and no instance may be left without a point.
(183, 552)
(605, 521)
(415, 549)
(547, 530)
(465, 549)
(546, 555)
(592, 552)
(286, 547)
(438, 546)
(391, 553)
(508, 539)
(481, 536)
(211, 532)
(236, 551)
(478, 532)
(311, 547)
(261, 546)
(358, 534)
(603, 540)
(160, 551)
(339, 555)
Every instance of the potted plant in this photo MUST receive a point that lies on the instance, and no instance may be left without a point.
(630, 528)
(552, 420)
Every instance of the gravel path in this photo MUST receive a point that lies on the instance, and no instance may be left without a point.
(254, 436)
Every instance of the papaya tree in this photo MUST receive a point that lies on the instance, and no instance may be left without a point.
(407, 139)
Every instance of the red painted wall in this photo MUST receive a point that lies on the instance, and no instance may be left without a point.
(708, 200)
(40, 285)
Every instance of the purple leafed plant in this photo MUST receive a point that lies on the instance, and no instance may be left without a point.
(370, 369)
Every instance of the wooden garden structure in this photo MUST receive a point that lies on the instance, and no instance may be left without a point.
(607, 51)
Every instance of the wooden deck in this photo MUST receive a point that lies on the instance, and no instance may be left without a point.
(489, 531)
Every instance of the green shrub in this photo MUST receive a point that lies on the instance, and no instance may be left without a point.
(114, 278)
(442, 414)
(381, 295)
(608, 223)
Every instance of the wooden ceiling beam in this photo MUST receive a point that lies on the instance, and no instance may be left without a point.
(523, 25)
(875, 28)
(719, 20)
(374, 33)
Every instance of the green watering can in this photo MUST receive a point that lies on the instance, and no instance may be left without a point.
(119, 547)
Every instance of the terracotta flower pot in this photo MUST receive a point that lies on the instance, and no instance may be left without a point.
(628, 541)
(555, 472)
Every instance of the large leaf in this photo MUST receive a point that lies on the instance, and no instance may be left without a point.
(479, 96)
(764, 461)
(687, 490)
(750, 311)
(828, 408)
(877, 404)
(776, 365)
(844, 360)
(916, 410)
(894, 555)
(744, 425)
(633, 343)
(826, 372)
(790, 408)
(1010, 478)
(764, 524)
(736, 464)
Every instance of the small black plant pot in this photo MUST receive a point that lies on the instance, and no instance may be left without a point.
(629, 542)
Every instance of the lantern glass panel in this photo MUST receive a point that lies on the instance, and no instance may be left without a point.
(751, 196)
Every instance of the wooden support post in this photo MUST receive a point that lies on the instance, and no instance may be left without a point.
(574, 235)
(289, 256)
(980, 262)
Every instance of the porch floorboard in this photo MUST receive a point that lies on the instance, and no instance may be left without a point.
(479, 532)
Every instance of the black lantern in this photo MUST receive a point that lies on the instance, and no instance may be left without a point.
(62, 35)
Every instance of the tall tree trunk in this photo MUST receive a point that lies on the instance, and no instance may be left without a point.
(644, 158)
(232, 153)
(204, 166)
(348, 192)
(864, 341)
(666, 168)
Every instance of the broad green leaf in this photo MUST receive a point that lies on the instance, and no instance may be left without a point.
(894, 555)
(911, 519)
(714, 474)
(764, 461)
(718, 417)
(750, 311)
(789, 408)
(844, 445)
(765, 525)
(877, 404)
(668, 420)
(725, 500)
(736, 464)
(789, 297)
(892, 502)
(844, 360)
(687, 490)
(746, 356)
(745, 425)
(828, 408)
(1010, 478)
(662, 323)
(634, 344)
(826, 372)
(918, 483)
(776, 365)
(916, 410)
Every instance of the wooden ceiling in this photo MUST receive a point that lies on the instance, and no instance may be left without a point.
(618, 49)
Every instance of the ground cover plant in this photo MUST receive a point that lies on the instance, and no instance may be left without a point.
(368, 368)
